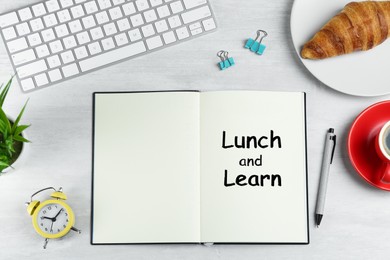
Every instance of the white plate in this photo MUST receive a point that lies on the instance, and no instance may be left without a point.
(362, 73)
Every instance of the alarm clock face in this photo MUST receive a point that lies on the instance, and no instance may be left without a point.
(53, 218)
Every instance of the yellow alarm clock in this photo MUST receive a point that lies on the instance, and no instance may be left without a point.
(51, 218)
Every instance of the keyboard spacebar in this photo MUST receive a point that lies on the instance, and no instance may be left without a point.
(112, 56)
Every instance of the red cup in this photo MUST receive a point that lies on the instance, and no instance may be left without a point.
(382, 147)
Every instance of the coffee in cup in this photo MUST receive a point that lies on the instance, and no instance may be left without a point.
(382, 146)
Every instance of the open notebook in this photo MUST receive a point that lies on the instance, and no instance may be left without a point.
(198, 167)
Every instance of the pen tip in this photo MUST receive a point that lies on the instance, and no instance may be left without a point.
(318, 219)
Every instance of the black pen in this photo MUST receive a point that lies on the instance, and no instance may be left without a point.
(330, 145)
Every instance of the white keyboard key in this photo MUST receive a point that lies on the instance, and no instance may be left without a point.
(135, 35)
(121, 39)
(193, 3)
(174, 21)
(148, 30)
(70, 70)
(9, 33)
(8, 19)
(108, 43)
(83, 38)
(109, 29)
(177, 7)
(209, 24)
(137, 20)
(97, 33)
(36, 24)
(50, 20)
(194, 26)
(197, 31)
(112, 56)
(169, 37)
(154, 3)
(63, 16)
(52, 5)
(115, 13)
(69, 42)
(77, 11)
(75, 26)
(101, 17)
(39, 9)
(25, 14)
(142, 5)
(41, 79)
(61, 30)
(123, 24)
(34, 39)
(118, 2)
(23, 57)
(94, 48)
(27, 84)
(17, 45)
(81, 52)
(104, 4)
(163, 11)
(48, 35)
(55, 75)
(154, 42)
(31, 69)
(22, 29)
(182, 33)
(53, 61)
(56, 46)
(67, 57)
(88, 22)
(91, 7)
(150, 16)
(42, 51)
(129, 8)
(161, 26)
(66, 3)
(196, 14)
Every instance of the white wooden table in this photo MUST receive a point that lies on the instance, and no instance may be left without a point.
(357, 220)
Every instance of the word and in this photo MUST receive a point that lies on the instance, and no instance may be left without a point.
(248, 142)
(251, 161)
(254, 180)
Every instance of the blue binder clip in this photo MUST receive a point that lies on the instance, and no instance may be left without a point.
(225, 62)
(256, 44)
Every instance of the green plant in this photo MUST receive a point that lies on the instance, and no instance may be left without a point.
(11, 139)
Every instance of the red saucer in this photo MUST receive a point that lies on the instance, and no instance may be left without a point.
(361, 143)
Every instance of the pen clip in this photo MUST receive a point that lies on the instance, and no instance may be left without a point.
(333, 138)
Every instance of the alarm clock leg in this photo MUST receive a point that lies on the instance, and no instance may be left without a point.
(45, 244)
(76, 230)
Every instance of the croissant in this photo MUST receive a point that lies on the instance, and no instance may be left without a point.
(360, 26)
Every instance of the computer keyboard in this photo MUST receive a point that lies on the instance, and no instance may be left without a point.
(56, 40)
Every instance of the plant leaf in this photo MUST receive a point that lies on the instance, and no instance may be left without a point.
(19, 129)
(4, 92)
(4, 118)
(15, 125)
(3, 165)
(3, 127)
(21, 139)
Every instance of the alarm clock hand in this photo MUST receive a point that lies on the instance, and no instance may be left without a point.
(51, 227)
(55, 218)
(46, 218)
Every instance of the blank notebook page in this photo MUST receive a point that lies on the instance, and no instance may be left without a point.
(146, 168)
